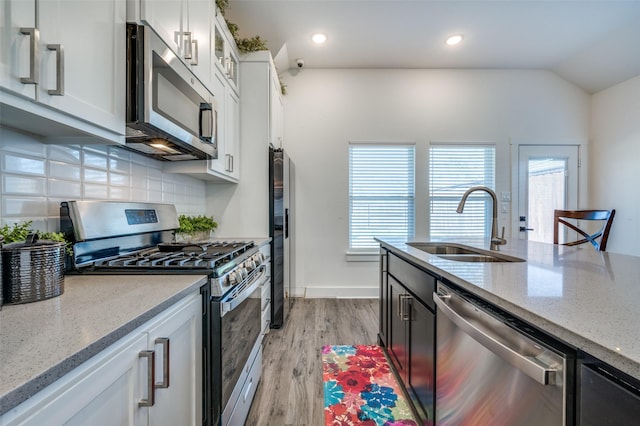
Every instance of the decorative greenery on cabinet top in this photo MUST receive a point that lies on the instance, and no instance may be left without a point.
(245, 45)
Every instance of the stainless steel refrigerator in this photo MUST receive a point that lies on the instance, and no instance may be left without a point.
(280, 189)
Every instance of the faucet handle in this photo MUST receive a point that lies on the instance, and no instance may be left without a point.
(502, 236)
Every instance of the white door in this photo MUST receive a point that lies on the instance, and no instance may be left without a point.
(547, 180)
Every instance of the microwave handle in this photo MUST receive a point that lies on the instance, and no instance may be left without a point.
(207, 108)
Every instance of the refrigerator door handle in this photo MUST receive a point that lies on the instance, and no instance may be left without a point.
(286, 223)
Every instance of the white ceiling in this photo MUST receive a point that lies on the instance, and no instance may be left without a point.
(593, 43)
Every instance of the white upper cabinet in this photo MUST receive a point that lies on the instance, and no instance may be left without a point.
(226, 52)
(198, 33)
(69, 57)
(223, 82)
(263, 105)
(185, 25)
(19, 48)
(165, 17)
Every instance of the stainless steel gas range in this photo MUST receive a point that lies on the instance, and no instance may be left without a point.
(138, 238)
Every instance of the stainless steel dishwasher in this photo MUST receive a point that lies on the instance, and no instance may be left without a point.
(492, 369)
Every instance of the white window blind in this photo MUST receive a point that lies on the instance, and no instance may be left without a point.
(381, 194)
(452, 170)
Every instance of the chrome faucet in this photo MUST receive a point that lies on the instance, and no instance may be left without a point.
(495, 239)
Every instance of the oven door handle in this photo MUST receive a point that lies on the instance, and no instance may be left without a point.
(244, 294)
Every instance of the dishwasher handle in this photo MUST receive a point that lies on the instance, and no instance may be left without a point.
(531, 366)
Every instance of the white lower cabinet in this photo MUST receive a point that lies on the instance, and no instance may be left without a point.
(111, 388)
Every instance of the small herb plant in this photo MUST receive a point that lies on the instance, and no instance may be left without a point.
(191, 225)
(19, 231)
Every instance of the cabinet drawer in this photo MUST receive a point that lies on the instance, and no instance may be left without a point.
(266, 296)
(419, 282)
(266, 319)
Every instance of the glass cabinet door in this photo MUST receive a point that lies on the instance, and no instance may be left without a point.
(219, 47)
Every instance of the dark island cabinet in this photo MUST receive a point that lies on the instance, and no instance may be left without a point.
(605, 395)
(407, 328)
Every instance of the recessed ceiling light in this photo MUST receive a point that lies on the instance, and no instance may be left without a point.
(319, 38)
(454, 39)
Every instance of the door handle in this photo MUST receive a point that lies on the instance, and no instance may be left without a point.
(524, 229)
(535, 368)
(59, 49)
(151, 382)
(206, 127)
(402, 305)
(34, 66)
(164, 341)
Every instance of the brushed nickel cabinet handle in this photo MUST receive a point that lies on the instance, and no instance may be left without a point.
(34, 65)
(59, 49)
(188, 53)
(194, 52)
(151, 373)
(164, 341)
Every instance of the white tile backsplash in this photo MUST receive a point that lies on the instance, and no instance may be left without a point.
(36, 177)
(14, 163)
(21, 206)
(60, 170)
(23, 185)
(93, 191)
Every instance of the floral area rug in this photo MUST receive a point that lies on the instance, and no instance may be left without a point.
(360, 389)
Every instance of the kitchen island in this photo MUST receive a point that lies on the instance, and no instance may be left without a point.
(585, 298)
(41, 342)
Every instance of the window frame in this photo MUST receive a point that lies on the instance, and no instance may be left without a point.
(488, 180)
(355, 253)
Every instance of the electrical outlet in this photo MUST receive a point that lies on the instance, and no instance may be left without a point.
(505, 196)
(504, 208)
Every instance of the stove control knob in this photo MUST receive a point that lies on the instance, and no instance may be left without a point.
(233, 279)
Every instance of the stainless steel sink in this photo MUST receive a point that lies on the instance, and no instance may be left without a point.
(462, 253)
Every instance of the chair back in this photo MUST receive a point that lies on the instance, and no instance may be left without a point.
(606, 216)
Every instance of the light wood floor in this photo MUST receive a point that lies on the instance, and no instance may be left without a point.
(290, 390)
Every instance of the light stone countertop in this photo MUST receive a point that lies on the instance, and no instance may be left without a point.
(588, 299)
(42, 341)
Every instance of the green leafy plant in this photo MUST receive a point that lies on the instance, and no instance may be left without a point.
(191, 225)
(222, 5)
(245, 45)
(19, 231)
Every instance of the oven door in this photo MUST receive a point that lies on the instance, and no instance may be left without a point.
(240, 330)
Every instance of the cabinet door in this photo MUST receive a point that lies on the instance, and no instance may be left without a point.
(198, 29)
(19, 56)
(276, 111)
(165, 17)
(232, 133)
(177, 342)
(85, 77)
(219, 164)
(104, 391)
(397, 337)
(421, 376)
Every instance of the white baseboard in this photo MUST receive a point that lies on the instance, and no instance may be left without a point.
(337, 292)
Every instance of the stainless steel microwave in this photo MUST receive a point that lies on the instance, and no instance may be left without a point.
(171, 115)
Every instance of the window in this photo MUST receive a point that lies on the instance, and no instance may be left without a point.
(381, 194)
(452, 170)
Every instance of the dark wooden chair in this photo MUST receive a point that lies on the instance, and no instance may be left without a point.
(606, 216)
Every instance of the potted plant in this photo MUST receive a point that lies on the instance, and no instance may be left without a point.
(195, 228)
